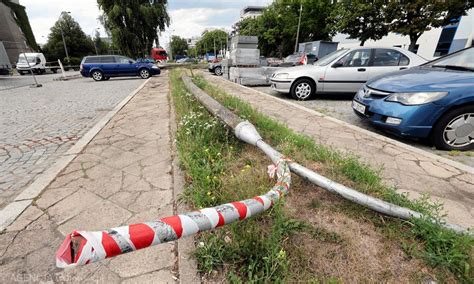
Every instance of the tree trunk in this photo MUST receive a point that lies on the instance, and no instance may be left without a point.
(362, 42)
(413, 39)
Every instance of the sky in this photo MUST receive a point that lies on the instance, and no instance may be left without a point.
(188, 17)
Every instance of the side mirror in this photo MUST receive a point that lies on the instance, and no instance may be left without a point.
(337, 64)
(130, 61)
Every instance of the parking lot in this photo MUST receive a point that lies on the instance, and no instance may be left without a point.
(18, 81)
(38, 124)
(340, 107)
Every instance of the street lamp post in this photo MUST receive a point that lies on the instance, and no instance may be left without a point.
(62, 34)
(299, 24)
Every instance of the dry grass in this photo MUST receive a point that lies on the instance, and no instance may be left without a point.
(361, 252)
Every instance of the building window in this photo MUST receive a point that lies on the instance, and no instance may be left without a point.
(446, 38)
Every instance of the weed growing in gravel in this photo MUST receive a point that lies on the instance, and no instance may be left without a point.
(220, 169)
(424, 238)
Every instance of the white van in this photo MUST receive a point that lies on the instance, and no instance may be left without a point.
(36, 62)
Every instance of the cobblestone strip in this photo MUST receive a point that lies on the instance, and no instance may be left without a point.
(409, 170)
(39, 125)
(12, 210)
(123, 176)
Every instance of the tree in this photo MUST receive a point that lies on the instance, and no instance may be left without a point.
(277, 27)
(211, 41)
(360, 19)
(77, 42)
(179, 45)
(134, 24)
(413, 18)
(100, 45)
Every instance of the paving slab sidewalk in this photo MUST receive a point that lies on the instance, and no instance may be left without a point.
(408, 169)
(125, 175)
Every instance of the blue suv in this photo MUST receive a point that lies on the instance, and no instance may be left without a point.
(105, 66)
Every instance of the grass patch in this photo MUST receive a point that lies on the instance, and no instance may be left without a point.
(220, 169)
(439, 247)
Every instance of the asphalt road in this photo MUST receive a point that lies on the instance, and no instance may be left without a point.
(38, 124)
(339, 106)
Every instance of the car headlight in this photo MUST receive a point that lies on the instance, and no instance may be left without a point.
(154, 67)
(416, 98)
(281, 76)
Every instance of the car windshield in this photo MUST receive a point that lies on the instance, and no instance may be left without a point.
(325, 60)
(22, 59)
(125, 60)
(293, 57)
(463, 61)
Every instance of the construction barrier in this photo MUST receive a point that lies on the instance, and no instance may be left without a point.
(82, 247)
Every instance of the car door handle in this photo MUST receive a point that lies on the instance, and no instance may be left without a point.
(403, 68)
(361, 69)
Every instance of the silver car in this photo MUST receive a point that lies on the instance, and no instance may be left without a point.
(342, 71)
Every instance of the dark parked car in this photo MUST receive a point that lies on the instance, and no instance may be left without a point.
(434, 100)
(186, 60)
(274, 62)
(104, 67)
(297, 59)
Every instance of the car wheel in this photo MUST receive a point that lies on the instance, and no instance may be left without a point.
(21, 73)
(303, 89)
(97, 75)
(144, 73)
(218, 71)
(455, 130)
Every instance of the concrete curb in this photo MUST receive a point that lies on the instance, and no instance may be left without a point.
(69, 77)
(404, 146)
(187, 266)
(9, 214)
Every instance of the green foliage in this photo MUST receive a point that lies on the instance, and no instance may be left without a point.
(100, 45)
(78, 44)
(445, 248)
(360, 19)
(413, 18)
(179, 45)
(254, 250)
(276, 28)
(211, 41)
(134, 24)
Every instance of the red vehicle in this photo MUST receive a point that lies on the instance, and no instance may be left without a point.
(159, 54)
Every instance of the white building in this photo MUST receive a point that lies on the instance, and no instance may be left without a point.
(251, 12)
(247, 12)
(431, 44)
(193, 41)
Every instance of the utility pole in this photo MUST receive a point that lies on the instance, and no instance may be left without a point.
(215, 54)
(299, 24)
(62, 35)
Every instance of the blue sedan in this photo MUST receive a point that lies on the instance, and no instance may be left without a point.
(434, 100)
(103, 67)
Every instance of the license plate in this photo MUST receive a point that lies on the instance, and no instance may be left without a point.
(358, 107)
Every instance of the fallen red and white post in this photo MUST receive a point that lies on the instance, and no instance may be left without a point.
(83, 247)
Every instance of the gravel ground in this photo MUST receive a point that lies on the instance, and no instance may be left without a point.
(340, 107)
(37, 124)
